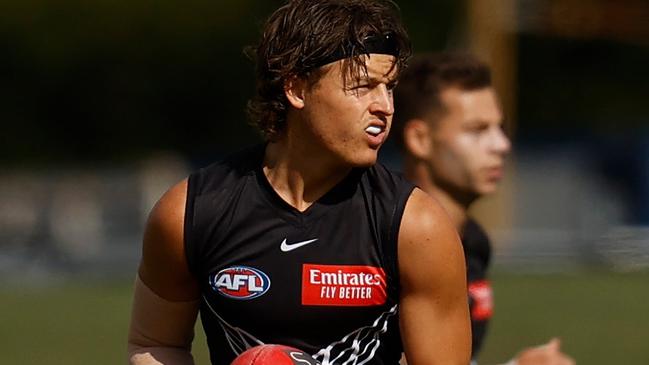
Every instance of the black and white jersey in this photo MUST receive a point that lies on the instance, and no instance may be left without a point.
(477, 252)
(324, 280)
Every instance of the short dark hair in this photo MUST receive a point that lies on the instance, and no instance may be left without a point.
(418, 94)
(301, 36)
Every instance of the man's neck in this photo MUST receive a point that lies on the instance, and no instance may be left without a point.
(299, 175)
(418, 173)
(457, 211)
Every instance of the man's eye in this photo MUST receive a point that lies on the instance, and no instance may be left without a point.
(360, 89)
(478, 128)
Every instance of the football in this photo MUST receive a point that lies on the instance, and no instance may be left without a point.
(274, 355)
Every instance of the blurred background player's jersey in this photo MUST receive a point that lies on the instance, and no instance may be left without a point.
(477, 252)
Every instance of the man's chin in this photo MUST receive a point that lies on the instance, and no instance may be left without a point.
(363, 160)
(364, 164)
(486, 189)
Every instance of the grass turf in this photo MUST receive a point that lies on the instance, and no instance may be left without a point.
(600, 317)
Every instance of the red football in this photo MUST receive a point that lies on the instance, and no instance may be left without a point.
(274, 355)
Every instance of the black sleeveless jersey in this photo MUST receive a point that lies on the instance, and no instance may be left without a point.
(324, 280)
(477, 252)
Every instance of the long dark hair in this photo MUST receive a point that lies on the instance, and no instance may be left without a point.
(303, 35)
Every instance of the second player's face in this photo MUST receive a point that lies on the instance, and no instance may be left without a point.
(352, 121)
(469, 145)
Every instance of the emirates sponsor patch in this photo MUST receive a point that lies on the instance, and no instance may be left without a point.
(482, 296)
(343, 285)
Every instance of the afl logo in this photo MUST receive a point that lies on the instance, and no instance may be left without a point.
(240, 282)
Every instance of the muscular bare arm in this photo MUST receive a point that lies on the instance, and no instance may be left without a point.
(165, 302)
(546, 354)
(434, 314)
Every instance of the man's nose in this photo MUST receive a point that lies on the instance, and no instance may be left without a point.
(500, 142)
(382, 100)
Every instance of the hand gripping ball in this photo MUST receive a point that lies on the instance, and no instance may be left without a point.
(274, 355)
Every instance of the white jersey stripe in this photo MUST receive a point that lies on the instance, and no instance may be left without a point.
(359, 346)
(238, 339)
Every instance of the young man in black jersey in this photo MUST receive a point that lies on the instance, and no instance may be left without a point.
(305, 241)
(448, 123)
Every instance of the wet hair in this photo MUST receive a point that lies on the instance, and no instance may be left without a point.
(418, 94)
(304, 35)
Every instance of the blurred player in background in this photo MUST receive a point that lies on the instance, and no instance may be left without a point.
(305, 241)
(448, 123)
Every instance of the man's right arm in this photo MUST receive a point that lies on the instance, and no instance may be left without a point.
(546, 354)
(433, 308)
(165, 301)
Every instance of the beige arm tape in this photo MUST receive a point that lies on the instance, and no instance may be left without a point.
(161, 331)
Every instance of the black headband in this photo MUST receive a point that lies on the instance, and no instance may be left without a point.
(380, 44)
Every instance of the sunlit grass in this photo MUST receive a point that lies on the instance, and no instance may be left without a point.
(600, 318)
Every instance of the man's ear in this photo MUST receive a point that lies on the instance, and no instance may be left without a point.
(417, 138)
(294, 89)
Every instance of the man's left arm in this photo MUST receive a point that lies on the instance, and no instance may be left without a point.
(434, 314)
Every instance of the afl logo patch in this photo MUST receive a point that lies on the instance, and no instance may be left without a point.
(240, 282)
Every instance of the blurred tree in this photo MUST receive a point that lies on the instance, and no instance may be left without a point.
(114, 80)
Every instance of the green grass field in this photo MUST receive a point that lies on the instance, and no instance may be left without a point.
(600, 317)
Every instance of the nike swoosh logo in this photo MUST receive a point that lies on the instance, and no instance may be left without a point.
(286, 247)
